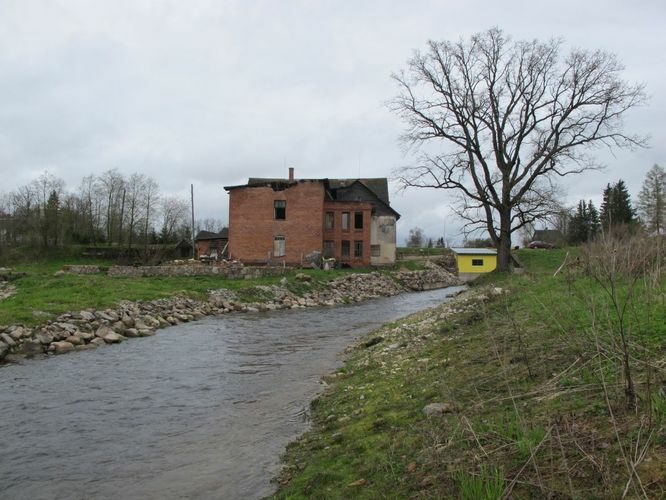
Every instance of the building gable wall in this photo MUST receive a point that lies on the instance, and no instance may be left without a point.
(253, 227)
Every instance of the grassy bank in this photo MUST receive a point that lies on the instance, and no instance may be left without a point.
(531, 382)
(41, 295)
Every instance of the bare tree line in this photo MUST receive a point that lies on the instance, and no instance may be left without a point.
(106, 209)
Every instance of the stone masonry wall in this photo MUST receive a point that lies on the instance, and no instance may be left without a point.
(232, 272)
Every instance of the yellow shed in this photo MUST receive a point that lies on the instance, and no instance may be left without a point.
(475, 260)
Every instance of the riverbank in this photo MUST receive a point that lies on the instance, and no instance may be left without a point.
(514, 389)
(91, 328)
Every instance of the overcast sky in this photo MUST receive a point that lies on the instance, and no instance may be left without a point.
(212, 92)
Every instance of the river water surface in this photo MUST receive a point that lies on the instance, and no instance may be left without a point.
(201, 410)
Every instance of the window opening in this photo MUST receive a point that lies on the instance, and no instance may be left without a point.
(280, 207)
(345, 249)
(345, 221)
(358, 220)
(329, 220)
(358, 248)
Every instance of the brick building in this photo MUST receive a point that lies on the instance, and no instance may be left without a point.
(212, 244)
(283, 220)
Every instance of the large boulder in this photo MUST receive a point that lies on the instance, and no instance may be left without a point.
(66, 327)
(44, 338)
(32, 348)
(113, 338)
(61, 347)
(438, 409)
(103, 331)
(109, 316)
(18, 332)
(74, 340)
(4, 350)
(131, 333)
(7, 339)
(86, 336)
(87, 316)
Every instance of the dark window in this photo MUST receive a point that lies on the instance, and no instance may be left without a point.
(280, 209)
(345, 221)
(477, 262)
(345, 249)
(358, 220)
(375, 250)
(358, 248)
(329, 248)
(279, 246)
(329, 221)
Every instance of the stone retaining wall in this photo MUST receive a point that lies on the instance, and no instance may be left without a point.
(230, 272)
(81, 269)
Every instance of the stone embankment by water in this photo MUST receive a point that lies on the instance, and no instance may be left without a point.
(88, 329)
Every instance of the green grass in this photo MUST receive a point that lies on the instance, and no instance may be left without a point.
(535, 383)
(41, 295)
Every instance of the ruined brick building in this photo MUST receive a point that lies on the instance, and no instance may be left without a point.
(283, 220)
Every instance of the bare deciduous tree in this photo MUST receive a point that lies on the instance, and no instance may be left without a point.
(175, 214)
(415, 238)
(499, 121)
(208, 224)
(112, 185)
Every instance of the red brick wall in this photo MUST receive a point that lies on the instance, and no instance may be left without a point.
(252, 226)
(352, 234)
(204, 247)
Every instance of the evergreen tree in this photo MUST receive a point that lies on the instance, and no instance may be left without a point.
(593, 221)
(51, 221)
(577, 225)
(584, 224)
(616, 209)
(652, 200)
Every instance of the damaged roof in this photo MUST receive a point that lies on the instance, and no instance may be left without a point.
(209, 235)
(377, 186)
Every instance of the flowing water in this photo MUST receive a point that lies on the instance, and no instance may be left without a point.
(201, 410)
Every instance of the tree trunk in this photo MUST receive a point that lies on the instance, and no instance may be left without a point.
(504, 243)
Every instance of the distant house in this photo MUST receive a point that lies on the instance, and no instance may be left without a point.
(284, 220)
(475, 260)
(184, 249)
(552, 236)
(212, 244)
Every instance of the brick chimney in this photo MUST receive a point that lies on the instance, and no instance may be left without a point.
(291, 173)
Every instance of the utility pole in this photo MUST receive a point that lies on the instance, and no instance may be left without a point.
(192, 198)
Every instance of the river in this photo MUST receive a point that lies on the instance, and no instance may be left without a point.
(200, 410)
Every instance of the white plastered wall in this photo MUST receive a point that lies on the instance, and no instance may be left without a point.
(382, 233)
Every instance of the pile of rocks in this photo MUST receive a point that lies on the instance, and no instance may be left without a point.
(6, 290)
(79, 269)
(7, 274)
(434, 276)
(89, 328)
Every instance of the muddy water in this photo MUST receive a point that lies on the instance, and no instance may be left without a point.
(202, 410)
